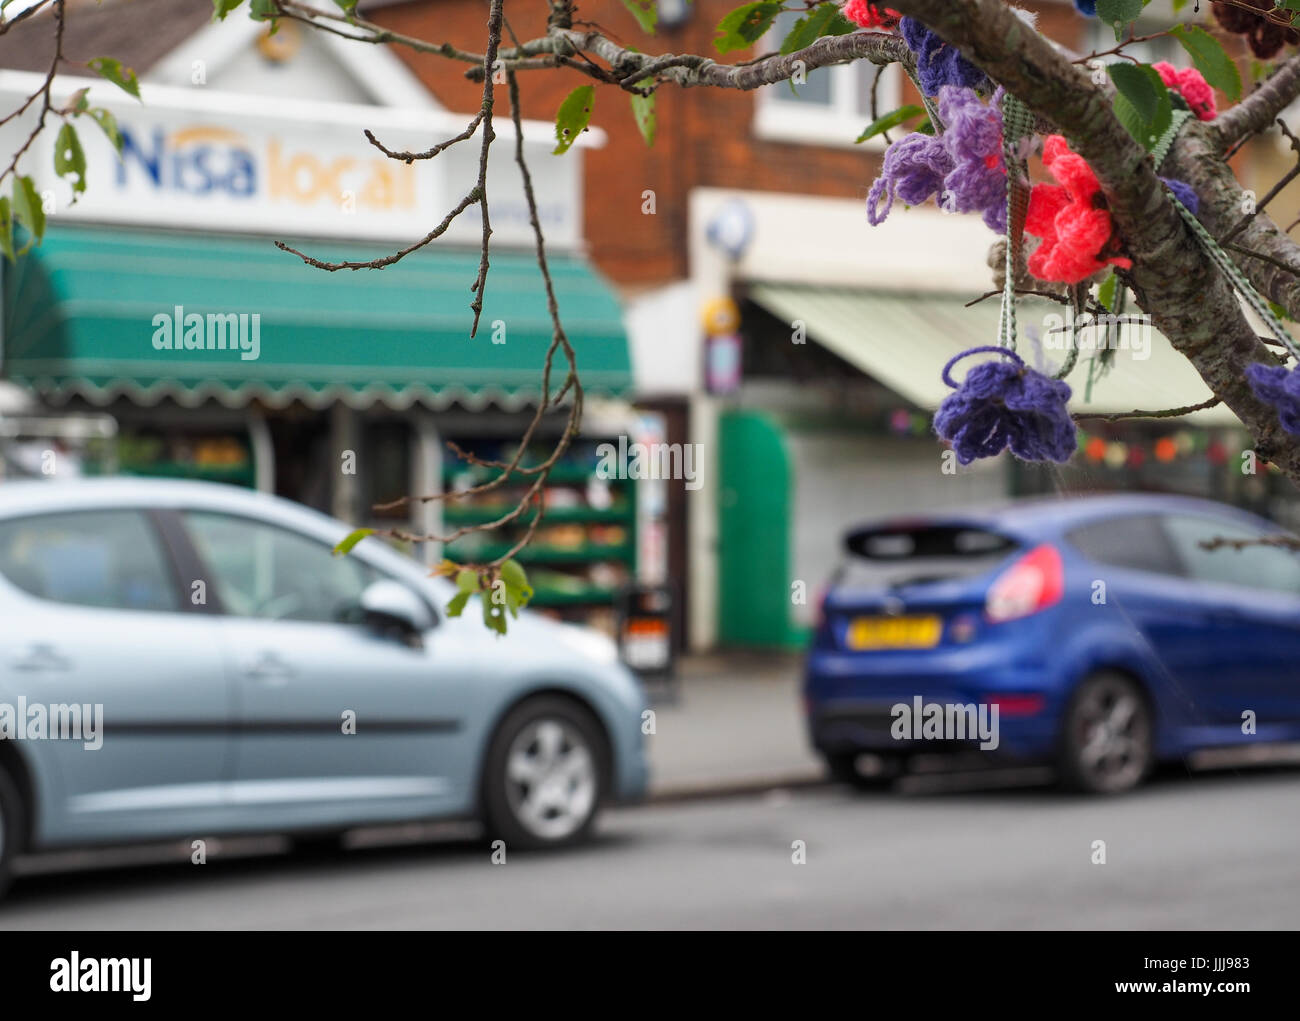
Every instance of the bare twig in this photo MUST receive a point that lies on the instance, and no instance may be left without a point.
(1080, 416)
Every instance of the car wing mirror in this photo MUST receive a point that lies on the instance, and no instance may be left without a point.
(390, 606)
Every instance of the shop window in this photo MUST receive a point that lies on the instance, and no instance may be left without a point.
(107, 559)
(832, 107)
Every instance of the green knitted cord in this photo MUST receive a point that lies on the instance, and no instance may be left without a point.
(1235, 276)
(1017, 123)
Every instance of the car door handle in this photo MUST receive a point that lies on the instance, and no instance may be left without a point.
(42, 657)
(268, 667)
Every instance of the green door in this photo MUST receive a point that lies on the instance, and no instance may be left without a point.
(753, 532)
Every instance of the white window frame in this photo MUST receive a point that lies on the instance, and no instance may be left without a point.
(780, 119)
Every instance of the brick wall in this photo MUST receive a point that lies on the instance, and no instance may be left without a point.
(705, 136)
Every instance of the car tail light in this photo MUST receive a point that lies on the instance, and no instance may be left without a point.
(1018, 705)
(1033, 583)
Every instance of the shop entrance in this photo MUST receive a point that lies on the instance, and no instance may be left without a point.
(754, 497)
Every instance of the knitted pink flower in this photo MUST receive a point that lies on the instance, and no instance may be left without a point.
(1076, 232)
(866, 15)
(1192, 86)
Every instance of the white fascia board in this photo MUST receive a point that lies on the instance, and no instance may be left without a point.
(236, 105)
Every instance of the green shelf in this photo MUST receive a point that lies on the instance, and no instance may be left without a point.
(471, 515)
(562, 474)
(591, 595)
(548, 554)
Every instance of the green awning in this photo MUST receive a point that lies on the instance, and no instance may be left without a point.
(79, 319)
(904, 341)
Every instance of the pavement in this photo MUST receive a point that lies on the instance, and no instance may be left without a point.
(736, 724)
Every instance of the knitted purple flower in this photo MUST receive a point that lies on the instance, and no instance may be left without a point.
(1279, 386)
(963, 166)
(937, 63)
(1004, 404)
(973, 138)
(1184, 194)
(914, 169)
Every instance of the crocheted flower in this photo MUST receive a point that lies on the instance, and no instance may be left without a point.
(1279, 386)
(973, 138)
(1003, 404)
(1088, 7)
(937, 63)
(1184, 194)
(914, 169)
(1071, 218)
(1265, 38)
(963, 166)
(1192, 86)
(867, 15)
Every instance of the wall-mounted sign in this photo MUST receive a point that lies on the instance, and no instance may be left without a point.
(194, 158)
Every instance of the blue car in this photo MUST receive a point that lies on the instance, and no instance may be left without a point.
(1103, 633)
(180, 659)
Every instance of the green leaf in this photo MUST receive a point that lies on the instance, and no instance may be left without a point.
(824, 19)
(494, 616)
(27, 208)
(1106, 291)
(108, 124)
(220, 8)
(1136, 86)
(7, 230)
(467, 580)
(351, 539)
(457, 605)
(745, 25)
(1119, 12)
(1142, 102)
(263, 10)
(346, 6)
(77, 101)
(514, 575)
(646, 13)
(573, 117)
(891, 120)
(70, 158)
(1210, 59)
(643, 111)
(1179, 5)
(123, 77)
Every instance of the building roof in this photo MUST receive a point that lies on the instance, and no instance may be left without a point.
(139, 33)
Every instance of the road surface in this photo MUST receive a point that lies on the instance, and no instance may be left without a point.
(1216, 851)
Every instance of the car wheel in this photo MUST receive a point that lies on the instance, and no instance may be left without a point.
(843, 768)
(545, 776)
(12, 828)
(1107, 745)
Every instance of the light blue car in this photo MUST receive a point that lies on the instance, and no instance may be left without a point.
(181, 659)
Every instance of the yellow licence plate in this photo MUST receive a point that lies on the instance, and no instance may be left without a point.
(894, 632)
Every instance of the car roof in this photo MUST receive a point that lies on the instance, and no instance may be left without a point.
(25, 495)
(1053, 515)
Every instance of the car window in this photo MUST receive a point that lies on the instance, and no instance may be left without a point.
(261, 570)
(1252, 566)
(1135, 541)
(107, 558)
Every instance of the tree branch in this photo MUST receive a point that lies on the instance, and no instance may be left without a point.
(1188, 299)
(1256, 112)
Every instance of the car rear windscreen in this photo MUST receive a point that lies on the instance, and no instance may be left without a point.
(893, 555)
